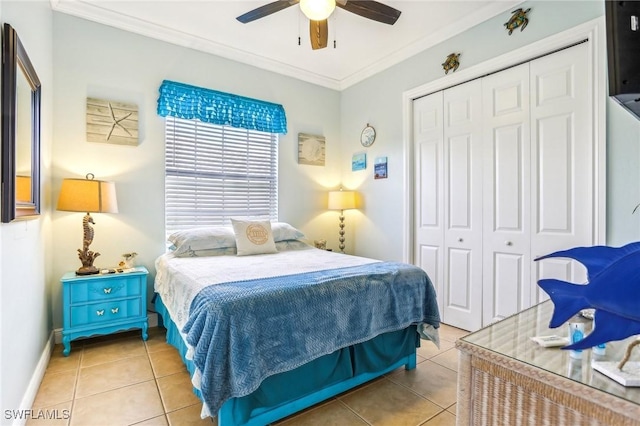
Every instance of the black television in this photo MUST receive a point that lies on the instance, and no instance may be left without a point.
(623, 53)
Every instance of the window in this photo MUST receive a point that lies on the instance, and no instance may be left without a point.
(215, 172)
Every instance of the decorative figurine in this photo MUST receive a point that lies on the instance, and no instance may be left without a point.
(85, 255)
(451, 63)
(613, 291)
(128, 260)
(518, 19)
(320, 244)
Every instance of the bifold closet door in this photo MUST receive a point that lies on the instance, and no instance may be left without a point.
(506, 187)
(462, 197)
(448, 199)
(428, 180)
(562, 173)
(504, 173)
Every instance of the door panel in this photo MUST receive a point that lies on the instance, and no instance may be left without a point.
(428, 136)
(562, 181)
(554, 153)
(460, 272)
(458, 185)
(507, 170)
(508, 284)
(463, 206)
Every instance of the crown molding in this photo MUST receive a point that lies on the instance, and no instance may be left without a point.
(108, 17)
(92, 12)
(460, 26)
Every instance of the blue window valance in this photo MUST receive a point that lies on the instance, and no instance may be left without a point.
(225, 109)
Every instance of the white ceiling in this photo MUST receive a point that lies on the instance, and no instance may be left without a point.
(364, 47)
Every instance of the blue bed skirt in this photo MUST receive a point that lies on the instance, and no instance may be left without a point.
(286, 393)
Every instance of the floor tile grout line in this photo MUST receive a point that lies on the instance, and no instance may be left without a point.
(419, 395)
(354, 412)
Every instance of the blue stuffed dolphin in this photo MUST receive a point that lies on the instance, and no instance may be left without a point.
(613, 290)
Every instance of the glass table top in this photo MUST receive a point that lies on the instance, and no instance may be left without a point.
(511, 337)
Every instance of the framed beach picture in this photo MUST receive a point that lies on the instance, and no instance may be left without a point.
(380, 168)
(112, 122)
(359, 162)
(311, 149)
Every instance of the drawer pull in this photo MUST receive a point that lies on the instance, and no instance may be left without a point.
(114, 310)
(100, 312)
(107, 290)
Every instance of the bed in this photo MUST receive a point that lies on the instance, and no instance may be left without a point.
(267, 333)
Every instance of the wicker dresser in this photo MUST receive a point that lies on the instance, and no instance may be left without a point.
(506, 379)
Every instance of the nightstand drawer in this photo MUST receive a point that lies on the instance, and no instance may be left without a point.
(105, 311)
(116, 287)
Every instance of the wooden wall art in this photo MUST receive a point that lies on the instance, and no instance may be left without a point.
(112, 122)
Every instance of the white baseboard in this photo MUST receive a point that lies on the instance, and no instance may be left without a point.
(152, 318)
(36, 379)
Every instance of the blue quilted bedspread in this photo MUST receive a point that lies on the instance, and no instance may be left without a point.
(243, 332)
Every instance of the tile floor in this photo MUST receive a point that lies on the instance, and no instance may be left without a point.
(121, 380)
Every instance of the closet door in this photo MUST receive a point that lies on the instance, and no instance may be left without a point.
(506, 183)
(463, 206)
(562, 179)
(428, 201)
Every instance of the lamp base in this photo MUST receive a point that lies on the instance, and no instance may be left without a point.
(87, 270)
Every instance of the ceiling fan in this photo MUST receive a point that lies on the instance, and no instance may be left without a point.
(319, 10)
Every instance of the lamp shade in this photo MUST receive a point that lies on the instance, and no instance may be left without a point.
(342, 200)
(88, 195)
(23, 189)
(317, 10)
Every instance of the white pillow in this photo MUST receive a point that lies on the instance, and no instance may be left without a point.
(283, 232)
(204, 238)
(253, 237)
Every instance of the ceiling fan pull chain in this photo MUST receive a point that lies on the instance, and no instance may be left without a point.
(299, 18)
(335, 30)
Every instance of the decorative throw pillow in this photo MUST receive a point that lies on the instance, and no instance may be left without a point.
(253, 237)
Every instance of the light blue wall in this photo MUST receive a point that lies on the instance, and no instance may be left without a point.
(623, 175)
(96, 60)
(25, 309)
(378, 100)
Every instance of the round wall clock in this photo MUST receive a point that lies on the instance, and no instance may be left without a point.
(368, 136)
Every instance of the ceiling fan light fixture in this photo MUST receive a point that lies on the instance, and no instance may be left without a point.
(317, 10)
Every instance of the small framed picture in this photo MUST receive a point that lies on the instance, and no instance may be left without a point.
(359, 162)
(380, 168)
(311, 149)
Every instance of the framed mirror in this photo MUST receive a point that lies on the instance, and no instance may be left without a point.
(20, 124)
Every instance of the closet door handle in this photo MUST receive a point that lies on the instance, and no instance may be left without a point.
(460, 240)
(100, 312)
(508, 243)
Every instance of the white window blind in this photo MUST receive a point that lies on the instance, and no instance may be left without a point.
(214, 173)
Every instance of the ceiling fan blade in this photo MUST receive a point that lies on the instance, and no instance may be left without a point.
(319, 34)
(371, 9)
(266, 10)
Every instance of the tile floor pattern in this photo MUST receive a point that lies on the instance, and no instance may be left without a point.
(121, 380)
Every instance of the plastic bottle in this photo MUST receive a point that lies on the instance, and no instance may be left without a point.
(576, 333)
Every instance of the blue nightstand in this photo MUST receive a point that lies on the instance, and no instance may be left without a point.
(103, 304)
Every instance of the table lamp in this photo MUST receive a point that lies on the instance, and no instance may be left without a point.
(90, 196)
(342, 200)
